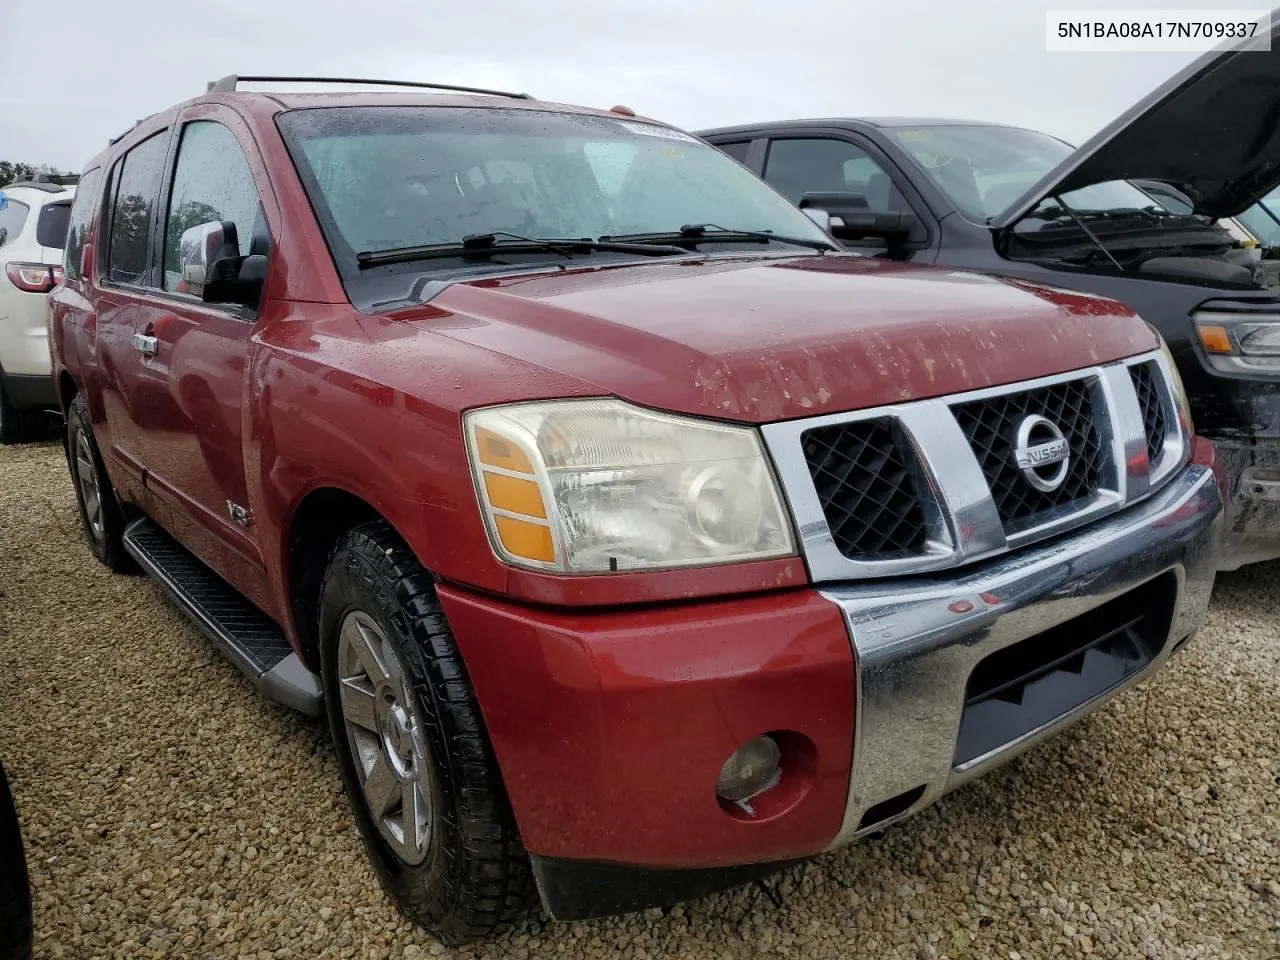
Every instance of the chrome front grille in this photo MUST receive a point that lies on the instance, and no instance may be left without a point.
(932, 484)
(991, 426)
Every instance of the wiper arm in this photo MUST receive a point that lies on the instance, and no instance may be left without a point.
(487, 244)
(693, 233)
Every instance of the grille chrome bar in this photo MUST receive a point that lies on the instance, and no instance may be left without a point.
(962, 517)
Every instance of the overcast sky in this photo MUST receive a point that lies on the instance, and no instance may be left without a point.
(86, 70)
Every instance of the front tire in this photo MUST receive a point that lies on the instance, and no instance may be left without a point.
(415, 759)
(100, 513)
(15, 888)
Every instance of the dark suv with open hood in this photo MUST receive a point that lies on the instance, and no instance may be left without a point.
(1026, 205)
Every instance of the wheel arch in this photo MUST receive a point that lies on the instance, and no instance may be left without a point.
(315, 525)
(67, 390)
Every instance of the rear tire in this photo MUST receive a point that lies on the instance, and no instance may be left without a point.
(415, 758)
(14, 423)
(100, 514)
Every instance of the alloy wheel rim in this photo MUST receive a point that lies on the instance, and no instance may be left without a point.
(386, 736)
(90, 488)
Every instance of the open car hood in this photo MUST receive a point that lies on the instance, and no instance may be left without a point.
(1213, 130)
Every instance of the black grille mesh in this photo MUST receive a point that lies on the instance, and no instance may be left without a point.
(1145, 383)
(991, 427)
(864, 473)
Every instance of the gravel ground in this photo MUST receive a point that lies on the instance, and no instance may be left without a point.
(171, 812)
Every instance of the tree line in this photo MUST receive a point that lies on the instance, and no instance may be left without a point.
(11, 172)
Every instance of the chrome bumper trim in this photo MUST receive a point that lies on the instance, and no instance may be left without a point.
(914, 652)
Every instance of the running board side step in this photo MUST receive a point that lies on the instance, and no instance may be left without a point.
(248, 637)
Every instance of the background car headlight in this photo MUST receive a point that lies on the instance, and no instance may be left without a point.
(1241, 342)
(593, 486)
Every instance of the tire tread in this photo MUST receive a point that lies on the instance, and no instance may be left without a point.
(491, 882)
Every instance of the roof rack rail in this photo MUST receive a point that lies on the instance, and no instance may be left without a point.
(137, 123)
(229, 83)
(48, 182)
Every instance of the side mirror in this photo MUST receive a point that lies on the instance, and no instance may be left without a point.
(214, 270)
(852, 220)
(820, 217)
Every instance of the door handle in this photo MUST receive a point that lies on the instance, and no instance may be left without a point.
(147, 346)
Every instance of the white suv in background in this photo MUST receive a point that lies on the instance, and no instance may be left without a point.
(33, 229)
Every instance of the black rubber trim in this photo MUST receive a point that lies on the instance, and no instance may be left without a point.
(583, 889)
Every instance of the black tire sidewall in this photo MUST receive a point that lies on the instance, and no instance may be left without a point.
(15, 886)
(12, 424)
(422, 891)
(109, 549)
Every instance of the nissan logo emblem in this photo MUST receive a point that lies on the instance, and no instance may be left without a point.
(1042, 453)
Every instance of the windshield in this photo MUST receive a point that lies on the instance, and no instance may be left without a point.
(385, 178)
(984, 169)
(1263, 219)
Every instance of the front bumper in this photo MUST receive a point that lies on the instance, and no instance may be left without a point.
(610, 728)
(1252, 522)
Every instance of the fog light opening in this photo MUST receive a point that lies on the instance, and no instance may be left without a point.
(753, 768)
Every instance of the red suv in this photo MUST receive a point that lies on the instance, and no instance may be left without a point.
(633, 538)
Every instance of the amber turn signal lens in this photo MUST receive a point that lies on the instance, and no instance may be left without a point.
(514, 495)
(532, 541)
(1215, 338)
(495, 451)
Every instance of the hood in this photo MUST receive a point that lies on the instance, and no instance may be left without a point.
(759, 340)
(1213, 130)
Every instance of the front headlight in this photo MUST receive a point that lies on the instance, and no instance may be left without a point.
(594, 486)
(1241, 342)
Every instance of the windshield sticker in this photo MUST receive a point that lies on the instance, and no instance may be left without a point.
(653, 130)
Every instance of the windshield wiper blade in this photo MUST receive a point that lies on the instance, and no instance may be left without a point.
(488, 244)
(693, 233)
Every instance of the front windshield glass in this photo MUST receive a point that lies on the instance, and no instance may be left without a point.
(383, 178)
(1263, 219)
(984, 169)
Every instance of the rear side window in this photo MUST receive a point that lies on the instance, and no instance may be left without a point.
(13, 214)
(81, 220)
(51, 227)
(132, 208)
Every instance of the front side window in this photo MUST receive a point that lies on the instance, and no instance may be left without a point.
(80, 222)
(384, 178)
(211, 183)
(984, 170)
(13, 215)
(136, 189)
(798, 166)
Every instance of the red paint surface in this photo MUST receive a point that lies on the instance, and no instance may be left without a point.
(611, 728)
(1205, 453)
